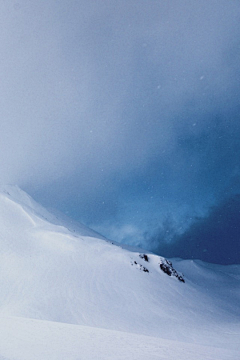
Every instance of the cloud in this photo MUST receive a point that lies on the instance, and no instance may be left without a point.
(213, 238)
(102, 83)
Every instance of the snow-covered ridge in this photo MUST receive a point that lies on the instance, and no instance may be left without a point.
(17, 195)
(52, 272)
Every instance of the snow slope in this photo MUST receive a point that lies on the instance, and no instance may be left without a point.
(66, 292)
(26, 339)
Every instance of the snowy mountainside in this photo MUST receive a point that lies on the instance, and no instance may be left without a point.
(53, 272)
(50, 272)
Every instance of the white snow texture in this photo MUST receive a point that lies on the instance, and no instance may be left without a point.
(68, 293)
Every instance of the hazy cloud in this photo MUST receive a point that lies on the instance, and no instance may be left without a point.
(116, 109)
(213, 238)
(109, 83)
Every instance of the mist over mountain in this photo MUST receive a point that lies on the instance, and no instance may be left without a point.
(213, 238)
(122, 116)
(120, 113)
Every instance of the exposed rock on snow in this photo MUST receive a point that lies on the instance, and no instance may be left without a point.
(140, 266)
(144, 257)
(167, 267)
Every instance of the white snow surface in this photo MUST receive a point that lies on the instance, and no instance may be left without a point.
(68, 293)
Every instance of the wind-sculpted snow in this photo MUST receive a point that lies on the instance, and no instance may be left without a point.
(61, 273)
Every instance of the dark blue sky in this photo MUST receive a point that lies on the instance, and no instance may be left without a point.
(126, 116)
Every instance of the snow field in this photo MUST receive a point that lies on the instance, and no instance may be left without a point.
(67, 293)
(27, 339)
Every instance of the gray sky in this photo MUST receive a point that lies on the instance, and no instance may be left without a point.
(122, 114)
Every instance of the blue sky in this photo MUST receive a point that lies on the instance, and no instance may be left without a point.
(125, 115)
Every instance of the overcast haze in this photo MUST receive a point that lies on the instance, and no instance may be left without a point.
(125, 115)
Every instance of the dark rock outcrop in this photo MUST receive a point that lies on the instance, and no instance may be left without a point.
(167, 267)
